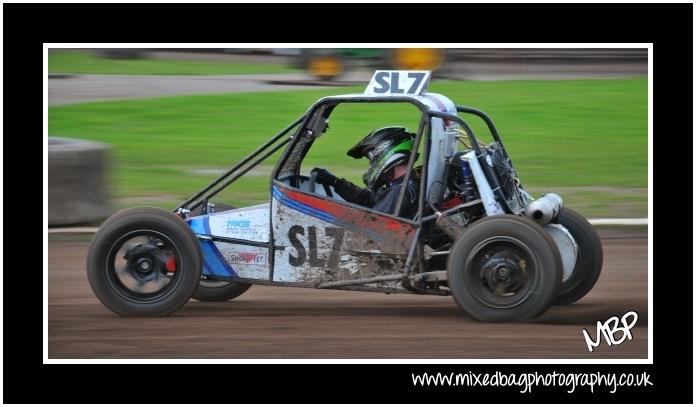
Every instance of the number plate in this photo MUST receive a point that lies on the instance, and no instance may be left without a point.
(398, 83)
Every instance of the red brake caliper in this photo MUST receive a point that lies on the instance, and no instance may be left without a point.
(171, 264)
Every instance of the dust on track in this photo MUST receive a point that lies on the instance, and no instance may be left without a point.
(279, 322)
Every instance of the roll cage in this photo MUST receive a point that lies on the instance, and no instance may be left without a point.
(308, 126)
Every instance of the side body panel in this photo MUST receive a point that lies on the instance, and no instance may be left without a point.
(235, 258)
(323, 240)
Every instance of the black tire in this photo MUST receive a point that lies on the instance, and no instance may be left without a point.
(588, 265)
(218, 290)
(507, 244)
(165, 234)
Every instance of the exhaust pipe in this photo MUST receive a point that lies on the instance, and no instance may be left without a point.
(544, 209)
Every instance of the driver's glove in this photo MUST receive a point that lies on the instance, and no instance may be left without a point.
(324, 177)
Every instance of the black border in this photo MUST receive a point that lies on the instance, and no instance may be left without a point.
(27, 26)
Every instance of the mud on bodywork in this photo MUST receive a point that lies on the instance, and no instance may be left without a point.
(320, 240)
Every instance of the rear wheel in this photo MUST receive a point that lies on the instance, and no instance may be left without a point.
(210, 290)
(504, 268)
(144, 262)
(588, 265)
(219, 290)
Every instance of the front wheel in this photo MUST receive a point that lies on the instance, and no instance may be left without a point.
(144, 262)
(504, 268)
(588, 265)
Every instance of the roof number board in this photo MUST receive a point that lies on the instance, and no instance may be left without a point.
(398, 83)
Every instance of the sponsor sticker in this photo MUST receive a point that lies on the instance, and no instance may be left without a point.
(257, 259)
(240, 228)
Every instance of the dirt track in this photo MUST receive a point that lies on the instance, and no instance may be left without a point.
(275, 322)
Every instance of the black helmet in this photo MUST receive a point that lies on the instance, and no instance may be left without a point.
(385, 148)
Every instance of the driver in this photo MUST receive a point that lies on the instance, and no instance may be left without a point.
(388, 150)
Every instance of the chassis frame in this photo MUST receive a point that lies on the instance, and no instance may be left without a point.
(313, 121)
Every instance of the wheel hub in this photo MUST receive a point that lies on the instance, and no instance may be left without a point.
(503, 273)
(144, 262)
(144, 265)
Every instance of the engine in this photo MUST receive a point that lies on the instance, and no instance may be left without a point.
(463, 201)
(502, 167)
(461, 204)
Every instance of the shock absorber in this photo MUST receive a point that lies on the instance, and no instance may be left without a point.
(468, 182)
(450, 226)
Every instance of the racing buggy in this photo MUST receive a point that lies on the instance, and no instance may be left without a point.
(477, 234)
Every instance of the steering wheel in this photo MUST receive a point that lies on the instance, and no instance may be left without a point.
(312, 185)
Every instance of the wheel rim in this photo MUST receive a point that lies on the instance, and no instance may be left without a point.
(501, 272)
(144, 266)
(575, 277)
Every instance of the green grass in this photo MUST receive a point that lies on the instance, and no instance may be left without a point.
(560, 134)
(86, 62)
